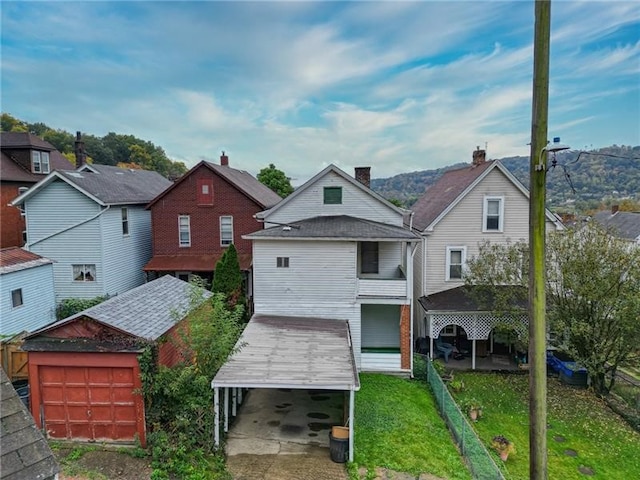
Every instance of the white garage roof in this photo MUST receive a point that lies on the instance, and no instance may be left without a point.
(292, 352)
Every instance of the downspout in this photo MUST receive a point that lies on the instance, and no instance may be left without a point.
(69, 227)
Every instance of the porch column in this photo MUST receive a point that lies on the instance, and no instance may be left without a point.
(473, 354)
(216, 416)
(234, 401)
(351, 425)
(226, 409)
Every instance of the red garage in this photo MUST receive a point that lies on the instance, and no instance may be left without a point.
(84, 373)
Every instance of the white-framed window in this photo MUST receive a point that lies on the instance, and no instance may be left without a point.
(456, 258)
(184, 230)
(21, 190)
(16, 298)
(40, 162)
(282, 262)
(24, 237)
(493, 214)
(125, 221)
(84, 272)
(449, 331)
(226, 230)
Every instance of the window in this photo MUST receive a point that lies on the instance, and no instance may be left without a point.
(125, 221)
(39, 162)
(205, 191)
(84, 273)
(24, 237)
(282, 262)
(456, 258)
(332, 195)
(369, 257)
(21, 190)
(184, 230)
(16, 298)
(493, 214)
(226, 230)
(449, 331)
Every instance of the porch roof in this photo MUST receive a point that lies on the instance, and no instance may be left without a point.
(292, 352)
(467, 299)
(192, 263)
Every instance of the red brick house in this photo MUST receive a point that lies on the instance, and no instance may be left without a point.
(200, 215)
(25, 159)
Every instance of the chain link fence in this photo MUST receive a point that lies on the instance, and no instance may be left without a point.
(476, 455)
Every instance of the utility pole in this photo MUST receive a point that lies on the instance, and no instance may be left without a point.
(537, 297)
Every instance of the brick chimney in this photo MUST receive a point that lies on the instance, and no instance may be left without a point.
(224, 160)
(479, 156)
(363, 175)
(79, 150)
(614, 209)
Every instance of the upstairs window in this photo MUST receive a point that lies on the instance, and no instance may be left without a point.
(205, 191)
(282, 262)
(226, 230)
(21, 190)
(125, 221)
(456, 258)
(332, 195)
(369, 257)
(84, 273)
(184, 230)
(40, 162)
(16, 298)
(493, 214)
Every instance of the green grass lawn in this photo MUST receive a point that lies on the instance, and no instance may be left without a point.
(577, 420)
(398, 427)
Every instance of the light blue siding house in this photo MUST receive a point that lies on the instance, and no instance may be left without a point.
(26, 290)
(92, 222)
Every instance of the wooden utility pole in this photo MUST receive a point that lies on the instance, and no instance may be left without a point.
(537, 297)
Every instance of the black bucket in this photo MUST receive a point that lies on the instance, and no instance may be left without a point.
(22, 388)
(338, 448)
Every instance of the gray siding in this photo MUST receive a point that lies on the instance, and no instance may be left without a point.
(125, 255)
(38, 307)
(355, 202)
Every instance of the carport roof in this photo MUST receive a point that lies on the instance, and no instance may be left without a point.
(292, 352)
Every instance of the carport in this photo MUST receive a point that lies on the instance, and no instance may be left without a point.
(278, 352)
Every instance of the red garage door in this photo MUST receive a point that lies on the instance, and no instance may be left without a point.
(89, 403)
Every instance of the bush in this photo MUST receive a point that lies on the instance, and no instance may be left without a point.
(71, 306)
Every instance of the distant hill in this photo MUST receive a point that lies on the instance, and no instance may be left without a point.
(598, 177)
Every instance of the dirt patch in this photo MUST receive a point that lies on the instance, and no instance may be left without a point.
(77, 464)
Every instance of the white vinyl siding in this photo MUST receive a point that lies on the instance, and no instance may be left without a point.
(355, 202)
(456, 259)
(226, 230)
(493, 214)
(184, 230)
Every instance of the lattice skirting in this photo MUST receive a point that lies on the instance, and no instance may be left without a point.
(478, 326)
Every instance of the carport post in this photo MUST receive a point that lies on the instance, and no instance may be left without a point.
(473, 354)
(216, 416)
(226, 409)
(240, 395)
(352, 397)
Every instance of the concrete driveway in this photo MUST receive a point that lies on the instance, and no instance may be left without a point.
(282, 434)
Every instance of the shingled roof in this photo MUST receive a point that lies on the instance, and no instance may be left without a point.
(624, 224)
(336, 227)
(107, 185)
(469, 298)
(25, 453)
(13, 171)
(146, 312)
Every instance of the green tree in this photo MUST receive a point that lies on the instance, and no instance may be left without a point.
(227, 278)
(593, 280)
(276, 180)
(12, 124)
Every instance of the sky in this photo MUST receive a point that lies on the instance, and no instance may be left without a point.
(398, 86)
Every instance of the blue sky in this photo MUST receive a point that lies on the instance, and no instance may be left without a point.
(398, 86)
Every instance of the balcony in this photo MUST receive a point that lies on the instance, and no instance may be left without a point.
(395, 287)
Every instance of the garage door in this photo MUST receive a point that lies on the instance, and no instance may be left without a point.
(88, 403)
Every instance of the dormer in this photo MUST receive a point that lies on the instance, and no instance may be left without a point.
(40, 163)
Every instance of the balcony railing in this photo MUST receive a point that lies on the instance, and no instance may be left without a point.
(383, 287)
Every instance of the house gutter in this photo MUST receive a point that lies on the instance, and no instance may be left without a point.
(29, 244)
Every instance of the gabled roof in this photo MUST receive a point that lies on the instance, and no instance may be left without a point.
(12, 171)
(315, 178)
(242, 180)
(14, 259)
(25, 454)
(339, 227)
(441, 197)
(625, 224)
(106, 185)
(146, 312)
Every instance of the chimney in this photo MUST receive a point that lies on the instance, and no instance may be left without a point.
(614, 209)
(363, 175)
(479, 156)
(79, 150)
(224, 160)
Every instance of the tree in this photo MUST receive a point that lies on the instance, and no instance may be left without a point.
(276, 180)
(227, 278)
(593, 280)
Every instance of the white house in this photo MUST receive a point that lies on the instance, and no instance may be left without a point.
(26, 290)
(465, 207)
(92, 222)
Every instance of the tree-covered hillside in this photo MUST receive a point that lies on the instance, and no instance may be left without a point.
(581, 181)
(112, 149)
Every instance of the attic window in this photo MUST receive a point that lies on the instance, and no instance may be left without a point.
(40, 162)
(332, 195)
(205, 191)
